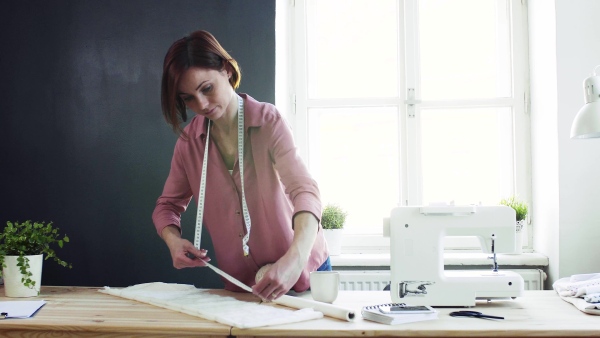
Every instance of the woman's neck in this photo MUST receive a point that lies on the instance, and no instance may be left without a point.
(228, 121)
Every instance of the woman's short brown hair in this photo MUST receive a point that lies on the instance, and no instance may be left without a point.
(199, 49)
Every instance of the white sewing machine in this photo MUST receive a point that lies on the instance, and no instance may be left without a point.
(417, 254)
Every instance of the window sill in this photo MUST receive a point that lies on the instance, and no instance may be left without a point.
(526, 259)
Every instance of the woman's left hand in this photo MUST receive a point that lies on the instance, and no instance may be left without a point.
(279, 278)
(284, 273)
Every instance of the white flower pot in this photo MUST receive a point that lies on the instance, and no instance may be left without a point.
(519, 237)
(519, 234)
(13, 287)
(333, 237)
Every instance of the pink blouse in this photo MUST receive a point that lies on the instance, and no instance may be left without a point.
(277, 186)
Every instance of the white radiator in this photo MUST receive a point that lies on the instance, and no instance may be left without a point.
(376, 280)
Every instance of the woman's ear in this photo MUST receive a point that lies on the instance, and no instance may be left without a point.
(227, 69)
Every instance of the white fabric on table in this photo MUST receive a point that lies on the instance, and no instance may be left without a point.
(592, 297)
(201, 303)
(578, 285)
(572, 289)
(584, 277)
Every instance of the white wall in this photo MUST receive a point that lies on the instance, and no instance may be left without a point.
(544, 133)
(565, 48)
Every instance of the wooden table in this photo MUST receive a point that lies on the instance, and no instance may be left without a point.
(539, 313)
(84, 312)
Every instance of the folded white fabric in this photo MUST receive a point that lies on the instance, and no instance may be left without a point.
(571, 289)
(587, 290)
(584, 277)
(583, 306)
(578, 285)
(592, 297)
(201, 303)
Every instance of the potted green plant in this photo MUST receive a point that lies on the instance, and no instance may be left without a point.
(333, 220)
(22, 250)
(521, 210)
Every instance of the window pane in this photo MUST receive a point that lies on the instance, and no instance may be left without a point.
(352, 48)
(473, 38)
(354, 157)
(466, 155)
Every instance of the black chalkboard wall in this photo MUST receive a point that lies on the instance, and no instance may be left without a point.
(82, 139)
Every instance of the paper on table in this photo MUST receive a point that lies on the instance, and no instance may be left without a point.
(296, 302)
(372, 313)
(20, 309)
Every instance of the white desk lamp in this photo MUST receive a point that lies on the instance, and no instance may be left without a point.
(587, 121)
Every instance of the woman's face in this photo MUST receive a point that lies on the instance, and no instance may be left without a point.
(206, 92)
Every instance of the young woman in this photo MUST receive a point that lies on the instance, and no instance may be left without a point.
(268, 216)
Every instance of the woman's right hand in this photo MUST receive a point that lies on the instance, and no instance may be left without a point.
(183, 252)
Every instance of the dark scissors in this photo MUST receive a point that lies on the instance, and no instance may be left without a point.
(474, 314)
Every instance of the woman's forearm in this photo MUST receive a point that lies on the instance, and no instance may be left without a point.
(306, 226)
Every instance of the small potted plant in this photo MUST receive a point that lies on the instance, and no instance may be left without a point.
(22, 249)
(521, 211)
(333, 220)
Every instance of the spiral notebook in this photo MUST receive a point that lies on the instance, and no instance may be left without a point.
(398, 313)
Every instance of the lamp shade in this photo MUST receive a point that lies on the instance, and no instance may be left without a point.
(587, 120)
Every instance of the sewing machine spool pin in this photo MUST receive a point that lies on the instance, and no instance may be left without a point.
(495, 263)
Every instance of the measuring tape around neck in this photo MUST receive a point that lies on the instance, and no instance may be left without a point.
(202, 191)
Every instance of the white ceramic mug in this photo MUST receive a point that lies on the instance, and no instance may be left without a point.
(324, 285)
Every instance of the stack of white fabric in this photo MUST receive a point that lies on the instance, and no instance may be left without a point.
(200, 302)
(583, 291)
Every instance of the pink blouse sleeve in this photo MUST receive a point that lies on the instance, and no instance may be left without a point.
(175, 197)
(299, 184)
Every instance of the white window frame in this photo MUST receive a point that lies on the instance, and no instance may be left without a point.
(292, 91)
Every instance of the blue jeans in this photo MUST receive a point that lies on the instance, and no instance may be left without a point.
(326, 265)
